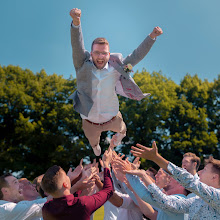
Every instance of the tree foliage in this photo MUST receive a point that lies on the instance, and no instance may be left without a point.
(39, 127)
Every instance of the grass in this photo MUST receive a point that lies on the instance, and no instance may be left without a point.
(99, 214)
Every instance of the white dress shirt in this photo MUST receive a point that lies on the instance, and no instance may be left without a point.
(128, 210)
(24, 210)
(104, 96)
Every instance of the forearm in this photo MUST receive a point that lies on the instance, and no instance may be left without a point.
(141, 190)
(75, 187)
(116, 200)
(161, 162)
(187, 180)
(171, 203)
(146, 208)
(138, 54)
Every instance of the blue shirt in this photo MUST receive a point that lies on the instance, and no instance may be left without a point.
(142, 191)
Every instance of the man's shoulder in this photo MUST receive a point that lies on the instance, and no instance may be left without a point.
(6, 206)
(2, 202)
(116, 56)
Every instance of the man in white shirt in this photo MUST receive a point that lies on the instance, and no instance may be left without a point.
(99, 76)
(11, 205)
(191, 163)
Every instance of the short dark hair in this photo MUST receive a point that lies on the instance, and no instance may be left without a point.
(215, 165)
(99, 40)
(50, 180)
(194, 158)
(3, 183)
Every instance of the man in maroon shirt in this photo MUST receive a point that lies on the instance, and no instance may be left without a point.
(64, 205)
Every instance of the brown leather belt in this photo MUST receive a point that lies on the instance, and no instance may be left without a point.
(101, 123)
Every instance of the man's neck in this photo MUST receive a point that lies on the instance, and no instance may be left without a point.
(62, 194)
(30, 198)
(193, 172)
(11, 199)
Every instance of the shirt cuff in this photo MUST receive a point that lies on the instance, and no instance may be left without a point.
(74, 26)
(152, 38)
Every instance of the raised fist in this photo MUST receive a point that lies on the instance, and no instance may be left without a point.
(157, 31)
(75, 13)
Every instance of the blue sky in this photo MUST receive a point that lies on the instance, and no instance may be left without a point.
(36, 34)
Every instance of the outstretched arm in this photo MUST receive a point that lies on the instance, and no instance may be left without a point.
(139, 53)
(150, 154)
(78, 50)
(154, 196)
(209, 194)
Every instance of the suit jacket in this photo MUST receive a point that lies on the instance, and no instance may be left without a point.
(82, 60)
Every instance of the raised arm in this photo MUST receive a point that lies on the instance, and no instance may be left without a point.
(138, 54)
(209, 194)
(154, 196)
(78, 50)
(145, 207)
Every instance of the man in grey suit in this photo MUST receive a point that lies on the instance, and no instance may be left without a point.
(100, 75)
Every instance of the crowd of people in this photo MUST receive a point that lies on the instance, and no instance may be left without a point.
(126, 191)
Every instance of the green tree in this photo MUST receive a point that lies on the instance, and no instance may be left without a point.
(213, 110)
(145, 119)
(188, 122)
(38, 126)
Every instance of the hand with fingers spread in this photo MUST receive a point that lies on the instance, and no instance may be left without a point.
(73, 174)
(107, 157)
(150, 154)
(98, 182)
(142, 174)
(119, 173)
(145, 152)
(89, 186)
(119, 167)
(89, 173)
(137, 162)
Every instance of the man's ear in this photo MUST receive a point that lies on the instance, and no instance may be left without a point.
(65, 184)
(216, 176)
(194, 164)
(4, 190)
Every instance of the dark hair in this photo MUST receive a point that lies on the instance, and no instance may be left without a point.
(194, 158)
(41, 192)
(151, 169)
(99, 40)
(50, 180)
(3, 183)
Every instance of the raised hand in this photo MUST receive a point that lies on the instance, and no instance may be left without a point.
(73, 174)
(145, 152)
(150, 154)
(157, 31)
(112, 145)
(142, 174)
(89, 173)
(137, 162)
(107, 157)
(75, 13)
